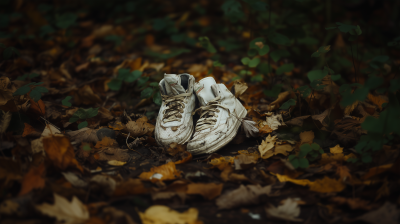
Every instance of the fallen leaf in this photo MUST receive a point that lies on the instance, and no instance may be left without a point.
(250, 128)
(274, 121)
(336, 149)
(376, 171)
(34, 179)
(186, 157)
(353, 203)
(103, 183)
(160, 214)
(265, 129)
(5, 121)
(208, 190)
(244, 161)
(106, 142)
(377, 100)
(306, 137)
(343, 172)
(283, 149)
(289, 211)
(175, 148)
(325, 185)
(388, 214)
(116, 163)
(164, 172)
(84, 135)
(85, 95)
(74, 179)
(73, 212)
(239, 88)
(139, 127)
(60, 152)
(27, 130)
(267, 145)
(130, 187)
(244, 195)
(215, 162)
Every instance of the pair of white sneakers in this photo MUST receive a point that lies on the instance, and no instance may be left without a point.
(220, 113)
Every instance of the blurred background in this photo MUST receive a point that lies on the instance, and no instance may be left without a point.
(66, 42)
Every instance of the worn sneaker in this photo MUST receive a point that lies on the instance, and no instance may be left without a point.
(175, 120)
(220, 117)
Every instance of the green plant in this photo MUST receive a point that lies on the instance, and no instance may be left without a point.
(28, 76)
(8, 52)
(35, 91)
(124, 75)
(66, 102)
(152, 91)
(308, 152)
(83, 114)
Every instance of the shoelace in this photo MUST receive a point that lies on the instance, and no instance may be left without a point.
(208, 116)
(175, 105)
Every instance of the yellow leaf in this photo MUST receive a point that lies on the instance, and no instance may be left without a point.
(160, 214)
(336, 149)
(116, 163)
(325, 185)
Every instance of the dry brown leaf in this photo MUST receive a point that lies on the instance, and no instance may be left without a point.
(73, 212)
(245, 161)
(208, 190)
(376, 171)
(160, 214)
(164, 172)
(282, 98)
(289, 211)
(85, 95)
(265, 129)
(140, 127)
(5, 121)
(343, 172)
(60, 152)
(244, 195)
(106, 142)
(33, 179)
(84, 135)
(175, 148)
(267, 145)
(5, 92)
(130, 187)
(215, 162)
(27, 130)
(239, 88)
(353, 203)
(388, 213)
(306, 137)
(283, 149)
(185, 157)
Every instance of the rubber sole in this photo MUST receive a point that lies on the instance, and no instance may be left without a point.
(223, 142)
(185, 139)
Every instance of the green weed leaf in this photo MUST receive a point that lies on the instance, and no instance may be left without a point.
(286, 105)
(66, 102)
(285, 68)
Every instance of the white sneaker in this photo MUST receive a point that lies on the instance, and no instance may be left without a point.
(175, 120)
(220, 117)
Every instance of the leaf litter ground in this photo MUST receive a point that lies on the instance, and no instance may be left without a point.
(77, 136)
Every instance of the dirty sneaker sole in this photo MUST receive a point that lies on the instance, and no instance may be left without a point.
(224, 141)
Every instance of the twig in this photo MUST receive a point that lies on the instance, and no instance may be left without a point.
(130, 147)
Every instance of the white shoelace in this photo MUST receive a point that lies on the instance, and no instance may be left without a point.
(175, 105)
(208, 116)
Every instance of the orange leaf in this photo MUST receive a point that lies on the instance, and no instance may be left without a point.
(33, 179)
(105, 142)
(60, 152)
(27, 130)
(185, 159)
(164, 172)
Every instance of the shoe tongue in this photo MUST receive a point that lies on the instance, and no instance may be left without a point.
(173, 84)
(204, 91)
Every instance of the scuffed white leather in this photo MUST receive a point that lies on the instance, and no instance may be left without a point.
(164, 134)
(226, 126)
